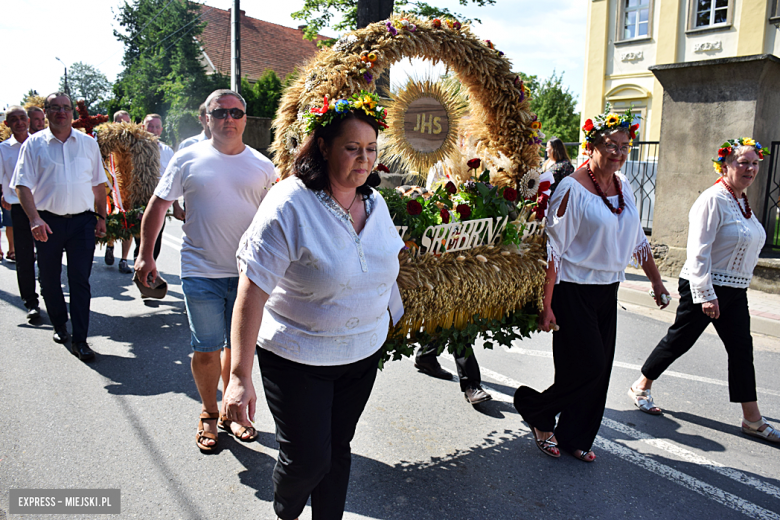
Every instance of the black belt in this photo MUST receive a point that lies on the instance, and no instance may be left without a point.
(68, 215)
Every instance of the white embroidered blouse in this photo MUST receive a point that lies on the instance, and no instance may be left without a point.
(589, 244)
(723, 246)
(328, 286)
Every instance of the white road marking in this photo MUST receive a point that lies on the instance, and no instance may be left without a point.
(172, 241)
(630, 366)
(709, 491)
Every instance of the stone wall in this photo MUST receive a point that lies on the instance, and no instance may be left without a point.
(705, 103)
(258, 133)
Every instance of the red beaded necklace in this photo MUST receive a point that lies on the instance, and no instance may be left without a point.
(621, 201)
(747, 212)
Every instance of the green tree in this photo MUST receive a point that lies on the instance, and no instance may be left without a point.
(262, 98)
(163, 73)
(319, 14)
(555, 105)
(88, 83)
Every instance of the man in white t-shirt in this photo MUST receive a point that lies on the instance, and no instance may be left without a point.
(203, 136)
(226, 181)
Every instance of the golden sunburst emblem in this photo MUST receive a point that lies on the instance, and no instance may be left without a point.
(424, 117)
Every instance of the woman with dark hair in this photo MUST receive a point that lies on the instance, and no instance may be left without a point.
(724, 241)
(593, 232)
(558, 163)
(317, 274)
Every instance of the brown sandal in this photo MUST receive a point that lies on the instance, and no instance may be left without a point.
(225, 424)
(203, 434)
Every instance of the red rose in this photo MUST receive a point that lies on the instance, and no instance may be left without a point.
(633, 129)
(463, 210)
(760, 155)
(413, 207)
(588, 126)
(510, 194)
(445, 216)
(725, 152)
(383, 168)
(474, 164)
(543, 186)
(451, 188)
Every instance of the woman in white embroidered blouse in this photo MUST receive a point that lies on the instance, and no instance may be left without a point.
(317, 270)
(724, 240)
(593, 232)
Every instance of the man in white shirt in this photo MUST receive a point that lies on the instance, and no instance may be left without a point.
(59, 179)
(17, 120)
(37, 119)
(226, 181)
(203, 136)
(122, 116)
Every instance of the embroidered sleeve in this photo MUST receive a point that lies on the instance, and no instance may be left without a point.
(703, 223)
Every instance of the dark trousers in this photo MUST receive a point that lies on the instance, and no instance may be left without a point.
(76, 237)
(468, 368)
(316, 410)
(733, 327)
(157, 244)
(25, 256)
(583, 351)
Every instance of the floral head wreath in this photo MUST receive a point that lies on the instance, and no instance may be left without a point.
(364, 100)
(609, 120)
(727, 149)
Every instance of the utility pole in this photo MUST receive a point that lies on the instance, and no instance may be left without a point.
(235, 47)
(369, 11)
(67, 89)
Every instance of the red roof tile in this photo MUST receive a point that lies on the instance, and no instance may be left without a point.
(264, 45)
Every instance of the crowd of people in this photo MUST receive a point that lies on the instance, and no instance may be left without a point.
(302, 276)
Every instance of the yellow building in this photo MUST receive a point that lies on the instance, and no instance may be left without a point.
(625, 37)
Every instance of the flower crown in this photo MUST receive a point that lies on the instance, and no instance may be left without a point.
(364, 100)
(727, 149)
(609, 120)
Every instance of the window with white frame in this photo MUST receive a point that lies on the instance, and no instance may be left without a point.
(634, 19)
(708, 13)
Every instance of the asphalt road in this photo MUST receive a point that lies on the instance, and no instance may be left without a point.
(128, 421)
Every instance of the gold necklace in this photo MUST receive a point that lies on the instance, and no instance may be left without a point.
(347, 210)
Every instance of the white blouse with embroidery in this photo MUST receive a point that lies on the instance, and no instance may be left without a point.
(589, 244)
(723, 246)
(329, 287)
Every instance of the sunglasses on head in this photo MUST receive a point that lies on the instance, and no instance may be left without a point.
(222, 113)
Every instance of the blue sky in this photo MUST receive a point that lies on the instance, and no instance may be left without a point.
(538, 37)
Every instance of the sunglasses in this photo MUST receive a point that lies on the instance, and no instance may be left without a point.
(222, 113)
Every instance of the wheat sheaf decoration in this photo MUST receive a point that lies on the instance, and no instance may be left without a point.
(500, 116)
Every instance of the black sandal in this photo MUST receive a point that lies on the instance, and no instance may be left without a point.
(545, 445)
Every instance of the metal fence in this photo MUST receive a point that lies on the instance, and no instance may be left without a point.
(641, 169)
(771, 217)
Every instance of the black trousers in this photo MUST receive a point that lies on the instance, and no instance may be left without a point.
(316, 410)
(76, 237)
(733, 327)
(25, 256)
(468, 368)
(157, 244)
(583, 351)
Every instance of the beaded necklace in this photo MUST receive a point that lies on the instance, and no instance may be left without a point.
(621, 201)
(747, 213)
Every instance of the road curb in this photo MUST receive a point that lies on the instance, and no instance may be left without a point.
(758, 324)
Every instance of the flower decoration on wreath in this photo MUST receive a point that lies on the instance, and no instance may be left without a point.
(609, 120)
(727, 149)
(368, 102)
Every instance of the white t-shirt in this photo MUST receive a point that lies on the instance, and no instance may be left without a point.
(329, 287)
(166, 154)
(723, 246)
(9, 154)
(192, 140)
(60, 174)
(222, 194)
(589, 244)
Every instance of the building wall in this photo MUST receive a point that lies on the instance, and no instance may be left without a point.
(617, 71)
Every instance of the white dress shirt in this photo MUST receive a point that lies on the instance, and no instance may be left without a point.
(329, 286)
(723, 246)
(589, 244)
(9, 154)
(166, 154)
(192, 140)
(60, 174)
